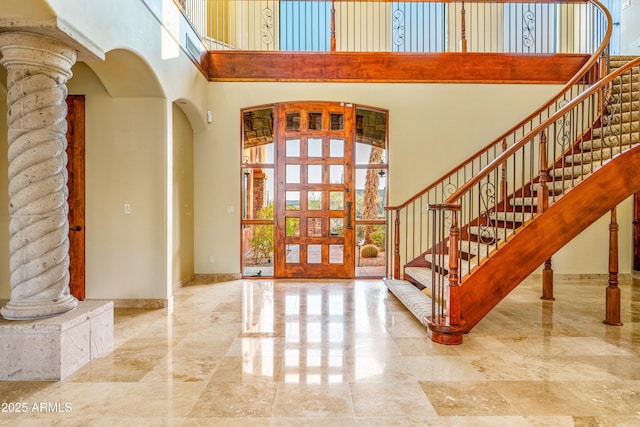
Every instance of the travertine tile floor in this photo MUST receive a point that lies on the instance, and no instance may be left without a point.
(347, 353)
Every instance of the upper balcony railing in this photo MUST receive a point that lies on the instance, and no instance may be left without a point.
(422, 26)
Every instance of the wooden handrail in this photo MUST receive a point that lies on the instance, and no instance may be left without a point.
(539, 129)
(577, 77)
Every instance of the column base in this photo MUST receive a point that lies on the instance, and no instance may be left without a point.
(54, 348)
(32, 310)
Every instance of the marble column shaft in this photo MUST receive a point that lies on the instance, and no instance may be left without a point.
(38, 68)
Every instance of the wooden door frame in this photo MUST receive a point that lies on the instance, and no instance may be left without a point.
(76, 199)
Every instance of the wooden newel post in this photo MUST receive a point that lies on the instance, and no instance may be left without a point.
(463, 26)
(396, 247)
(446, 325)
(612, 316)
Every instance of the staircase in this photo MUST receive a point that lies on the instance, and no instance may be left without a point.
(532, 198)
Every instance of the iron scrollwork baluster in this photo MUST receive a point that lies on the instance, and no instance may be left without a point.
(528, 29)
(267, 26)
(448, 189)
(486, 224)
(398, 27)
(612, 106)
(563, 138)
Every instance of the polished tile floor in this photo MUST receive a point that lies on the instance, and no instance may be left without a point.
(347, 353)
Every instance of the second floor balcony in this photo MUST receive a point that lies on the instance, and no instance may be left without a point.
(272, 39)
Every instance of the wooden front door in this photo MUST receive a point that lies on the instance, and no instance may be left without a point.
(75, 183)
(314, 215)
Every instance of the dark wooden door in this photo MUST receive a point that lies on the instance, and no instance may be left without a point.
(315, 191)
(75, 183)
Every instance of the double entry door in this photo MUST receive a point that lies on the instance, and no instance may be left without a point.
(314, 203)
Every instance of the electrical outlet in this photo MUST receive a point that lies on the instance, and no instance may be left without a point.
(126, 208)
(212, 259)
(626, 4)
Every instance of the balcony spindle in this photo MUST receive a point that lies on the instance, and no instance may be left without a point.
(463, 26)
(333, 26)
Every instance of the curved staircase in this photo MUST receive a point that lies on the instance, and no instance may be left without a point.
(500, 225)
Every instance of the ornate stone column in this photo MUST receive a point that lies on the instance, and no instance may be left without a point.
(38, 68)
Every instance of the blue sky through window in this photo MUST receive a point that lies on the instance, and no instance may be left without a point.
(418, 27)
(305, 25)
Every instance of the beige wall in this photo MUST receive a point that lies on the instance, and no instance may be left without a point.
(432, 127)
(182, 202)
(125, 164)
(629, 28)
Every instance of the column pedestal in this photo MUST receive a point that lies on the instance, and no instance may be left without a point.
(54, 348)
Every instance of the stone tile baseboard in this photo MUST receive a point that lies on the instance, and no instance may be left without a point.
(586, 276)
(150, 303)
(203, 279)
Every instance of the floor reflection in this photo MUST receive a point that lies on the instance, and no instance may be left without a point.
(323, 329)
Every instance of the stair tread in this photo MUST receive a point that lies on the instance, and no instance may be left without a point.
(524, 201)
(611, 141)
(590, 156)
(513, 216)
(571, 171)
(416, 301)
